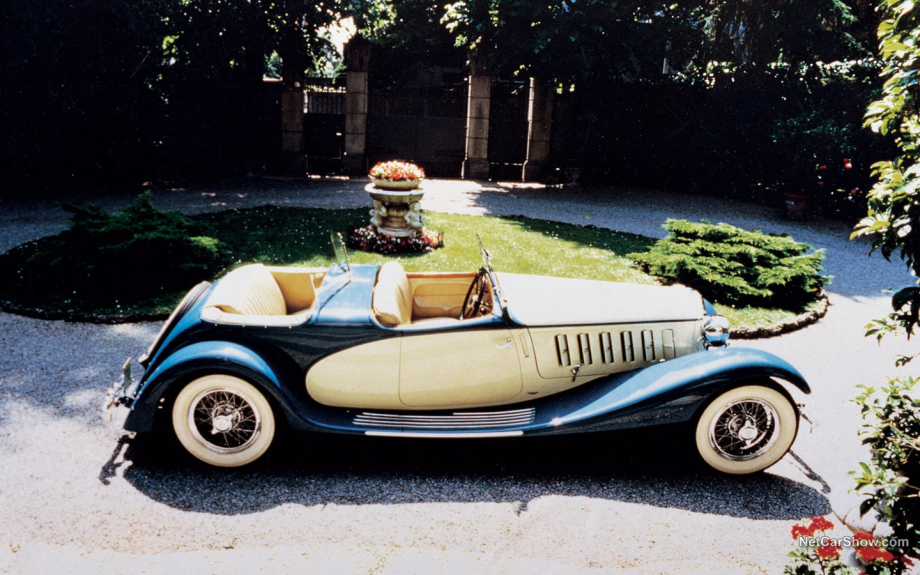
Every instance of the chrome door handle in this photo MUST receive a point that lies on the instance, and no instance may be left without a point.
(575, 371)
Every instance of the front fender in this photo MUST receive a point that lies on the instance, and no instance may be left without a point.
(198, 359)
(668, 392)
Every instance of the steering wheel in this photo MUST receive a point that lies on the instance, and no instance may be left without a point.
(473, 304)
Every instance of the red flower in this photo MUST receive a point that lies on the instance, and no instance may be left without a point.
(863, 536)
(802, 531)
(872, 553)
(827, 551)
(821, 524)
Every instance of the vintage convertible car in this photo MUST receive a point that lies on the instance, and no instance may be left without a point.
(373, 350)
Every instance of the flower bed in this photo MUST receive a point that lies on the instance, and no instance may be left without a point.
(368, 239)
(817, 552)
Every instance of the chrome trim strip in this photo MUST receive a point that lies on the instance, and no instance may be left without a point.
(470, 435)
(458, 420)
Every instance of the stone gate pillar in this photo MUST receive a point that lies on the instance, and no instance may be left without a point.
(292, 149)
(476, 161)
(539, 129)
(357, 56)
(293, 63)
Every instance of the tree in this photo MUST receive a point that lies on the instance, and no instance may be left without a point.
(630, 39)
(213, 62)
(76, 80)
(892, 414)
(98, 91)
(571, 40)
(763, 32)
(893, 219)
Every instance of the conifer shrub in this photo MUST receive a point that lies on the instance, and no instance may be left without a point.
(139, 252)
(734, 266)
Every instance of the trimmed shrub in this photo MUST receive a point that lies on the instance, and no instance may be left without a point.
(734, 266)
(137, 253)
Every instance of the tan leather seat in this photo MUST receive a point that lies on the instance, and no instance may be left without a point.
(392, 299)
(249, 290)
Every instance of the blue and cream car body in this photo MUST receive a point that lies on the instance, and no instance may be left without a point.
(373, 350)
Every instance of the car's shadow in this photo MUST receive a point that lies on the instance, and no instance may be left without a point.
(652, 467)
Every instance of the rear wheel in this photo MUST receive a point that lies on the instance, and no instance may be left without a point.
(746, 429)
(223, 420)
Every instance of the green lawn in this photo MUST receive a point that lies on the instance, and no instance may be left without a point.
(292, 236)
(300, 236)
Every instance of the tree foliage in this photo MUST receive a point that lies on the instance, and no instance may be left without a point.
(97, 91)
(568, 40)
(893, 219)
(103, 90)
(787, 31)
(76, 83)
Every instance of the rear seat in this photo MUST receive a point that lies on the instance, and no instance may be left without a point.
(254, 294)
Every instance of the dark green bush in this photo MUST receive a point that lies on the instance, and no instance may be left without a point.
(734, 266)
(137, 253)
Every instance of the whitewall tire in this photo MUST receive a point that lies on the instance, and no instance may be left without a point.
(223, 420)
(746, 429)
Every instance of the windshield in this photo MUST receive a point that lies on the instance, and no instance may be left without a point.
(341, 254)
(486, 256)
(487, 266)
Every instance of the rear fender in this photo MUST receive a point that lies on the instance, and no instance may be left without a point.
(200, 359)
(670, 392)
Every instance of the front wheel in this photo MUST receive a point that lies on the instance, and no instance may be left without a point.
(746, 429)
(223, 420)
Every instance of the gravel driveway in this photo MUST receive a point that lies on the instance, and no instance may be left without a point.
(77, 495)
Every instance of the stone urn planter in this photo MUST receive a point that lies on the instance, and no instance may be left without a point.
(396, 213)
(399, 185)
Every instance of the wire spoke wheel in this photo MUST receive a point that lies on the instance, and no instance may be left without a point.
(223, 420)
(746, 429)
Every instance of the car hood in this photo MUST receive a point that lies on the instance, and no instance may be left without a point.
(540, 301)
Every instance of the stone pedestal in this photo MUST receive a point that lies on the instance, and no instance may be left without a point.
(397, 214)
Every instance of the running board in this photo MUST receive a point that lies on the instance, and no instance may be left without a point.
(457, 421)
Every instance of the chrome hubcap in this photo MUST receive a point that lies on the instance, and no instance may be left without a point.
(224, 420)
(744, 429)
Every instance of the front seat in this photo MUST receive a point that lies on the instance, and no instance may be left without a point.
(392, 299)
(392, 296)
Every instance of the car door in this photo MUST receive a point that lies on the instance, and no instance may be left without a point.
(453, 369)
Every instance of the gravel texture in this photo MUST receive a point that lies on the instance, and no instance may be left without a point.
(78, 495)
